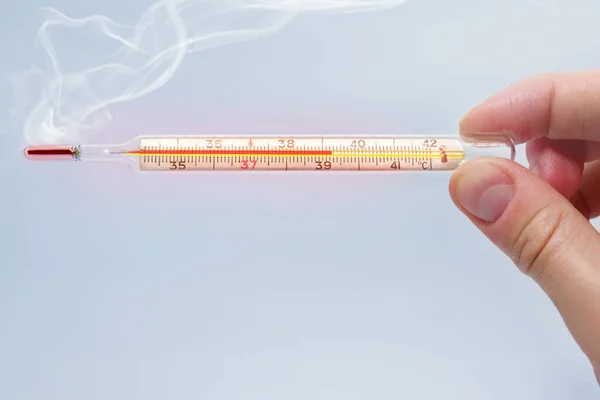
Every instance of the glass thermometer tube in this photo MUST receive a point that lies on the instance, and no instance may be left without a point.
(287, 153)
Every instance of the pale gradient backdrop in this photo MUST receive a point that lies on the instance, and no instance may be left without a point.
(121, 286)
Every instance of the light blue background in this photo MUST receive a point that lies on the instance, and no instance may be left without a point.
(115, 285)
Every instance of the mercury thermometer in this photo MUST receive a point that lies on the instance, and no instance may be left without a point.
(286, 153)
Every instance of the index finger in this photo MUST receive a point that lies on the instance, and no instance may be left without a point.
(555, 106)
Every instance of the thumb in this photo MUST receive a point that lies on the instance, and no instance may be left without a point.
(544, 235)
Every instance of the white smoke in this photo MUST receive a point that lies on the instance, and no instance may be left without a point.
(72, 100)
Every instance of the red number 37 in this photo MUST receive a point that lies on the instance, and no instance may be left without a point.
(246, 166)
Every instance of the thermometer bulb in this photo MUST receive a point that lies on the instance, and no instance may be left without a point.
(46, 153)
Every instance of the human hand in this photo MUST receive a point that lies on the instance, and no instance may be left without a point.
(540, 217)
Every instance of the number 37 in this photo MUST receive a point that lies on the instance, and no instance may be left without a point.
(248, 164)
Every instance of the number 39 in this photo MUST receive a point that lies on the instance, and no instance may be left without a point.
(323, 165)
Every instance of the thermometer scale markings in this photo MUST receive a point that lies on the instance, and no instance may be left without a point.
(297, 153)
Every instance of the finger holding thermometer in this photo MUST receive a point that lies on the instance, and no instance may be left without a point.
(287, 153)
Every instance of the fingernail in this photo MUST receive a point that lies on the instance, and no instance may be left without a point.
(534, 166)
(484, 191)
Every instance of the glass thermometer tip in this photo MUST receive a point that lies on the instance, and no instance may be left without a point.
(47, 153)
